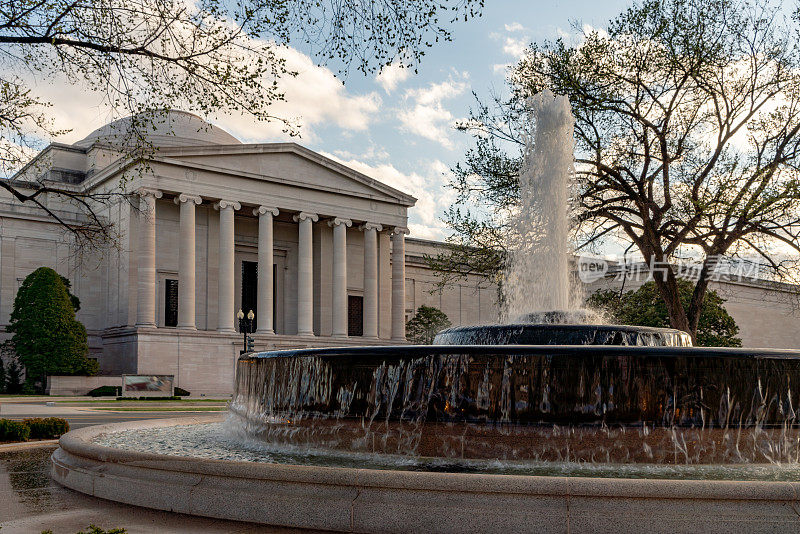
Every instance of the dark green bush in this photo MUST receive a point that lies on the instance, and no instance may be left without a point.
(95, 530)
(180, 392)
(47, 339)
(48, 428)
(105, 391)
(14, 430)
(36, 428)
(174, 397)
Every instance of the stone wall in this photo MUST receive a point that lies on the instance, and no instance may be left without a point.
(79, 385)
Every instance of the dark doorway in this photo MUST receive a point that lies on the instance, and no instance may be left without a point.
(171, 303)
(250, 289)
(355, 315)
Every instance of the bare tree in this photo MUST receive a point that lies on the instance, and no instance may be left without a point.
(687, 136)
(207, 56)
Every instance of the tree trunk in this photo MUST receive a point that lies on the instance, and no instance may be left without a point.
(667, 285)
(699, 295)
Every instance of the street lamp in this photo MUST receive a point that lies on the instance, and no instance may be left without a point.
(246, 327)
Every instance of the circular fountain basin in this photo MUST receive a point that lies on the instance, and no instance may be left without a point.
(590, 403)
(385, 500)
(556, 333)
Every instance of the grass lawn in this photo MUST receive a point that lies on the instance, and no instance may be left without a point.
(162, 409)
(107, 400)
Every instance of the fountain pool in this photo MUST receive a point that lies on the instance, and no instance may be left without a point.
(489, 438)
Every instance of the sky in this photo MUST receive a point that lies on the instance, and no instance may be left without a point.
(396, 126)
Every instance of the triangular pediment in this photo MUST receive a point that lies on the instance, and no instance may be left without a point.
(286, 163)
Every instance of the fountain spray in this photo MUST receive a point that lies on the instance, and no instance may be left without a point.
(538, 284)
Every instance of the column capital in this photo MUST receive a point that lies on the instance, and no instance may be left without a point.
(225, 204)
(371, 226)
(303, 215)
(338, 220)
(149, 192)
(400, 230)
(263, 210)
(185, 197)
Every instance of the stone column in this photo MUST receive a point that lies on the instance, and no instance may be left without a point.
(146, 266)
(265, 262)
(305, 273)
(186, 260)
(340, 227)
(399, 283)
(225, 313)
(371, 279)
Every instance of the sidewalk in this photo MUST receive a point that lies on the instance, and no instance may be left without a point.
(32, 502)
(31, 409)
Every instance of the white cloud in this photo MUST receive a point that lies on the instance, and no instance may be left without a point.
(427, 185)
(314, 98)
(502, 68)
(515, 46)
(426, 115)
(372, 153)
(391, 76)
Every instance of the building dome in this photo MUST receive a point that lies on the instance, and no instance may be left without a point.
(162, 129)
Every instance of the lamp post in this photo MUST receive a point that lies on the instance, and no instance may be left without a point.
(246, 327)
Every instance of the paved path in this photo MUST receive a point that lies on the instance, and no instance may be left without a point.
(31, 502)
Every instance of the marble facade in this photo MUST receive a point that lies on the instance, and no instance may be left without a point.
(202, 208)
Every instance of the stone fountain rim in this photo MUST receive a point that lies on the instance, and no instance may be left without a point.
(78, 444)
(364, 500)
(545, 350)
(567, 326)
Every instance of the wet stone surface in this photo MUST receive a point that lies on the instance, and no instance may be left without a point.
(31, 502)
(25, 484)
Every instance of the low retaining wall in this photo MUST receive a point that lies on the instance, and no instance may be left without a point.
(364, 500)
(79, 385)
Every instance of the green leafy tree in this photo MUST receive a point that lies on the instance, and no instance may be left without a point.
(426, 323)
(687, 144)
(645, 307)
(47, 339)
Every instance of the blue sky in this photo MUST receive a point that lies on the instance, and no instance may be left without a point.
(398, 126)
(412, 139)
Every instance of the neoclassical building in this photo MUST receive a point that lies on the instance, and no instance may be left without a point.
(211, 225)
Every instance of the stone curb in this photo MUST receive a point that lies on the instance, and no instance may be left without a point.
(5, 447)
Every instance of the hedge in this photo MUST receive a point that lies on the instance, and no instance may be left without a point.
(36, 428)
(47, 428)
(14, 430)
(106, 391)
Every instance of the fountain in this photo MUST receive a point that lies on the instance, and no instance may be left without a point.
(537, 269)
(544, 423)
